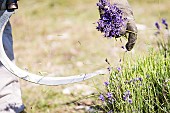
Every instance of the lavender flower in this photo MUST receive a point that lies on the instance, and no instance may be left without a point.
(165, 23)
(130, 101)
(109, 69)
(101, 97)
(123, 47)
(111, 19)
(126, 95)
(135, 80)
(119, 69)
(106, 83)
(138, 79)
(109, 95)
(157, 25)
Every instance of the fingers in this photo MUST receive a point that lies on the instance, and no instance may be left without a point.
(132, 30)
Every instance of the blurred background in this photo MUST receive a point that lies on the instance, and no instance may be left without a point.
(60, 36)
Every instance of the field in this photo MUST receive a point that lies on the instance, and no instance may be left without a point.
(60, 37)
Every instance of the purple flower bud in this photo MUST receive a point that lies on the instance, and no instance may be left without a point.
(126, 95)
(165, 23)
(123, 47)
(119, 69)
(109, 69)
(130, 101)
(157, 25)
(140, 79)
(101, 97)
(106, 83)
(98, 4)
(109, 95)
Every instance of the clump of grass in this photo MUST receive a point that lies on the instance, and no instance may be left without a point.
(142, 87)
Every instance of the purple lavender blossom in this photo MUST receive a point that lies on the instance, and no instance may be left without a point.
(126, 95)
(123, 47)
(109, 69)
(111, 19)
(157, 25)
(135, 80)
(119, 69)
(130, 101)
(165, 23)
(138, 79)
(109, 95)
(106, 83)
(101, 97)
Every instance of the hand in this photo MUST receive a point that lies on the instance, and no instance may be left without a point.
(9, 5)
(129, 26)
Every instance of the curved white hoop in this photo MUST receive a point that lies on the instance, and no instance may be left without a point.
(33, 77)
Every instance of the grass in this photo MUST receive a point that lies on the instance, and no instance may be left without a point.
(59, 37)
(142, 86)
(148, 81)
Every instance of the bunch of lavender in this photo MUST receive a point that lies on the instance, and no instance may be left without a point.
(111, 19)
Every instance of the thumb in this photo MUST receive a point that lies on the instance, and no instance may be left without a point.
(132, 30)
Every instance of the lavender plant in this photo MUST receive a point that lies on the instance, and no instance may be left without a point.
(141, 87)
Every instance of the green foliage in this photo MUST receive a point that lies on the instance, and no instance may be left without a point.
(148, 81)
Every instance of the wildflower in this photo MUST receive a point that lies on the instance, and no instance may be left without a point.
(126, 95)
(135, 80)
(123, 47)
(157, 25)
(138, 79)
(119, 69)
(106, 83)
(111, 19)
(130, 101)
(165, 23)
(101, 97)
(109, 69)
(109, 95)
